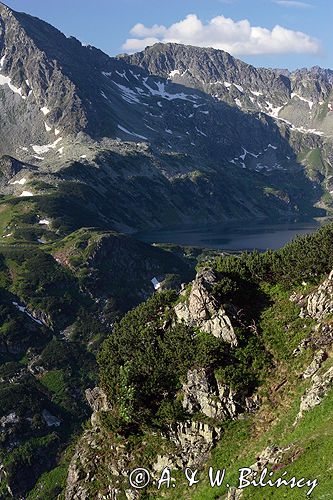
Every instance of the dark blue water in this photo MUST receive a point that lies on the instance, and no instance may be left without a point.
(232, 236)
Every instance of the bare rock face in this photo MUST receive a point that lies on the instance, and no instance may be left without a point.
(202, 310)
(270, 456)
(320, 302)
(97, 456)
(314, 366)
(316, 393)
(194, 441)
(98, 401)
(204, 394)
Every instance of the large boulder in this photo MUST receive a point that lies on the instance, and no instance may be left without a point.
(202, 310)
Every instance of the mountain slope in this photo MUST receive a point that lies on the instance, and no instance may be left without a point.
(92, 146)
(77, 114)
(303, 97)
(248, 384)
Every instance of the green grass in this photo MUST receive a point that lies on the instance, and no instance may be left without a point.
(311, 441)
(282, 327)
(50, 484)
(55, 381)
(310, 455)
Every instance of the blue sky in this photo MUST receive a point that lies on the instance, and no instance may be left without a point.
(108, 24)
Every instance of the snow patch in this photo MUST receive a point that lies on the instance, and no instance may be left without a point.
(256, 93)
(21, 182)
(161, 92)
(156, 283)
(174, 73)
(45, 110)
(243, 155)
(6, 80)
(310, 103)
(308, 130)
(123, 74)
(200, 132)
(26, 194)
(24, 310)
(132, 133)
(135, 76)
(45, 149)
(47, 127)
(273, 111)
(239, 87)
(128, 94)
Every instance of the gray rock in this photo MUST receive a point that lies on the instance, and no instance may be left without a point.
(204, 394)
(50, 420)
(314, 366)
(97, 400)
(194, 440)
(8, 421)
(316, 393)
(202, 310)
(320, 302)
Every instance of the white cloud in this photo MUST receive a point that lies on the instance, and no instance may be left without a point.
(235, 37)
(294, 3)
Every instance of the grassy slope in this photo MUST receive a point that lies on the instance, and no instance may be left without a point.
(311, 441)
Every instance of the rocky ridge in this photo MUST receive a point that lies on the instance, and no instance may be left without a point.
(118, 125)
(202, 310)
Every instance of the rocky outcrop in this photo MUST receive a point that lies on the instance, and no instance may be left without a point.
(194, 440)
(320, 302)
(97, 400)
(202, 310)
(269, 457)
(316, 392)
(316, 363)
(203, 393)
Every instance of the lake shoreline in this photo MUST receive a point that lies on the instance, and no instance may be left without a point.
(234, 237)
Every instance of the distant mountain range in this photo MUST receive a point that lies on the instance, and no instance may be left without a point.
(171, 135)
